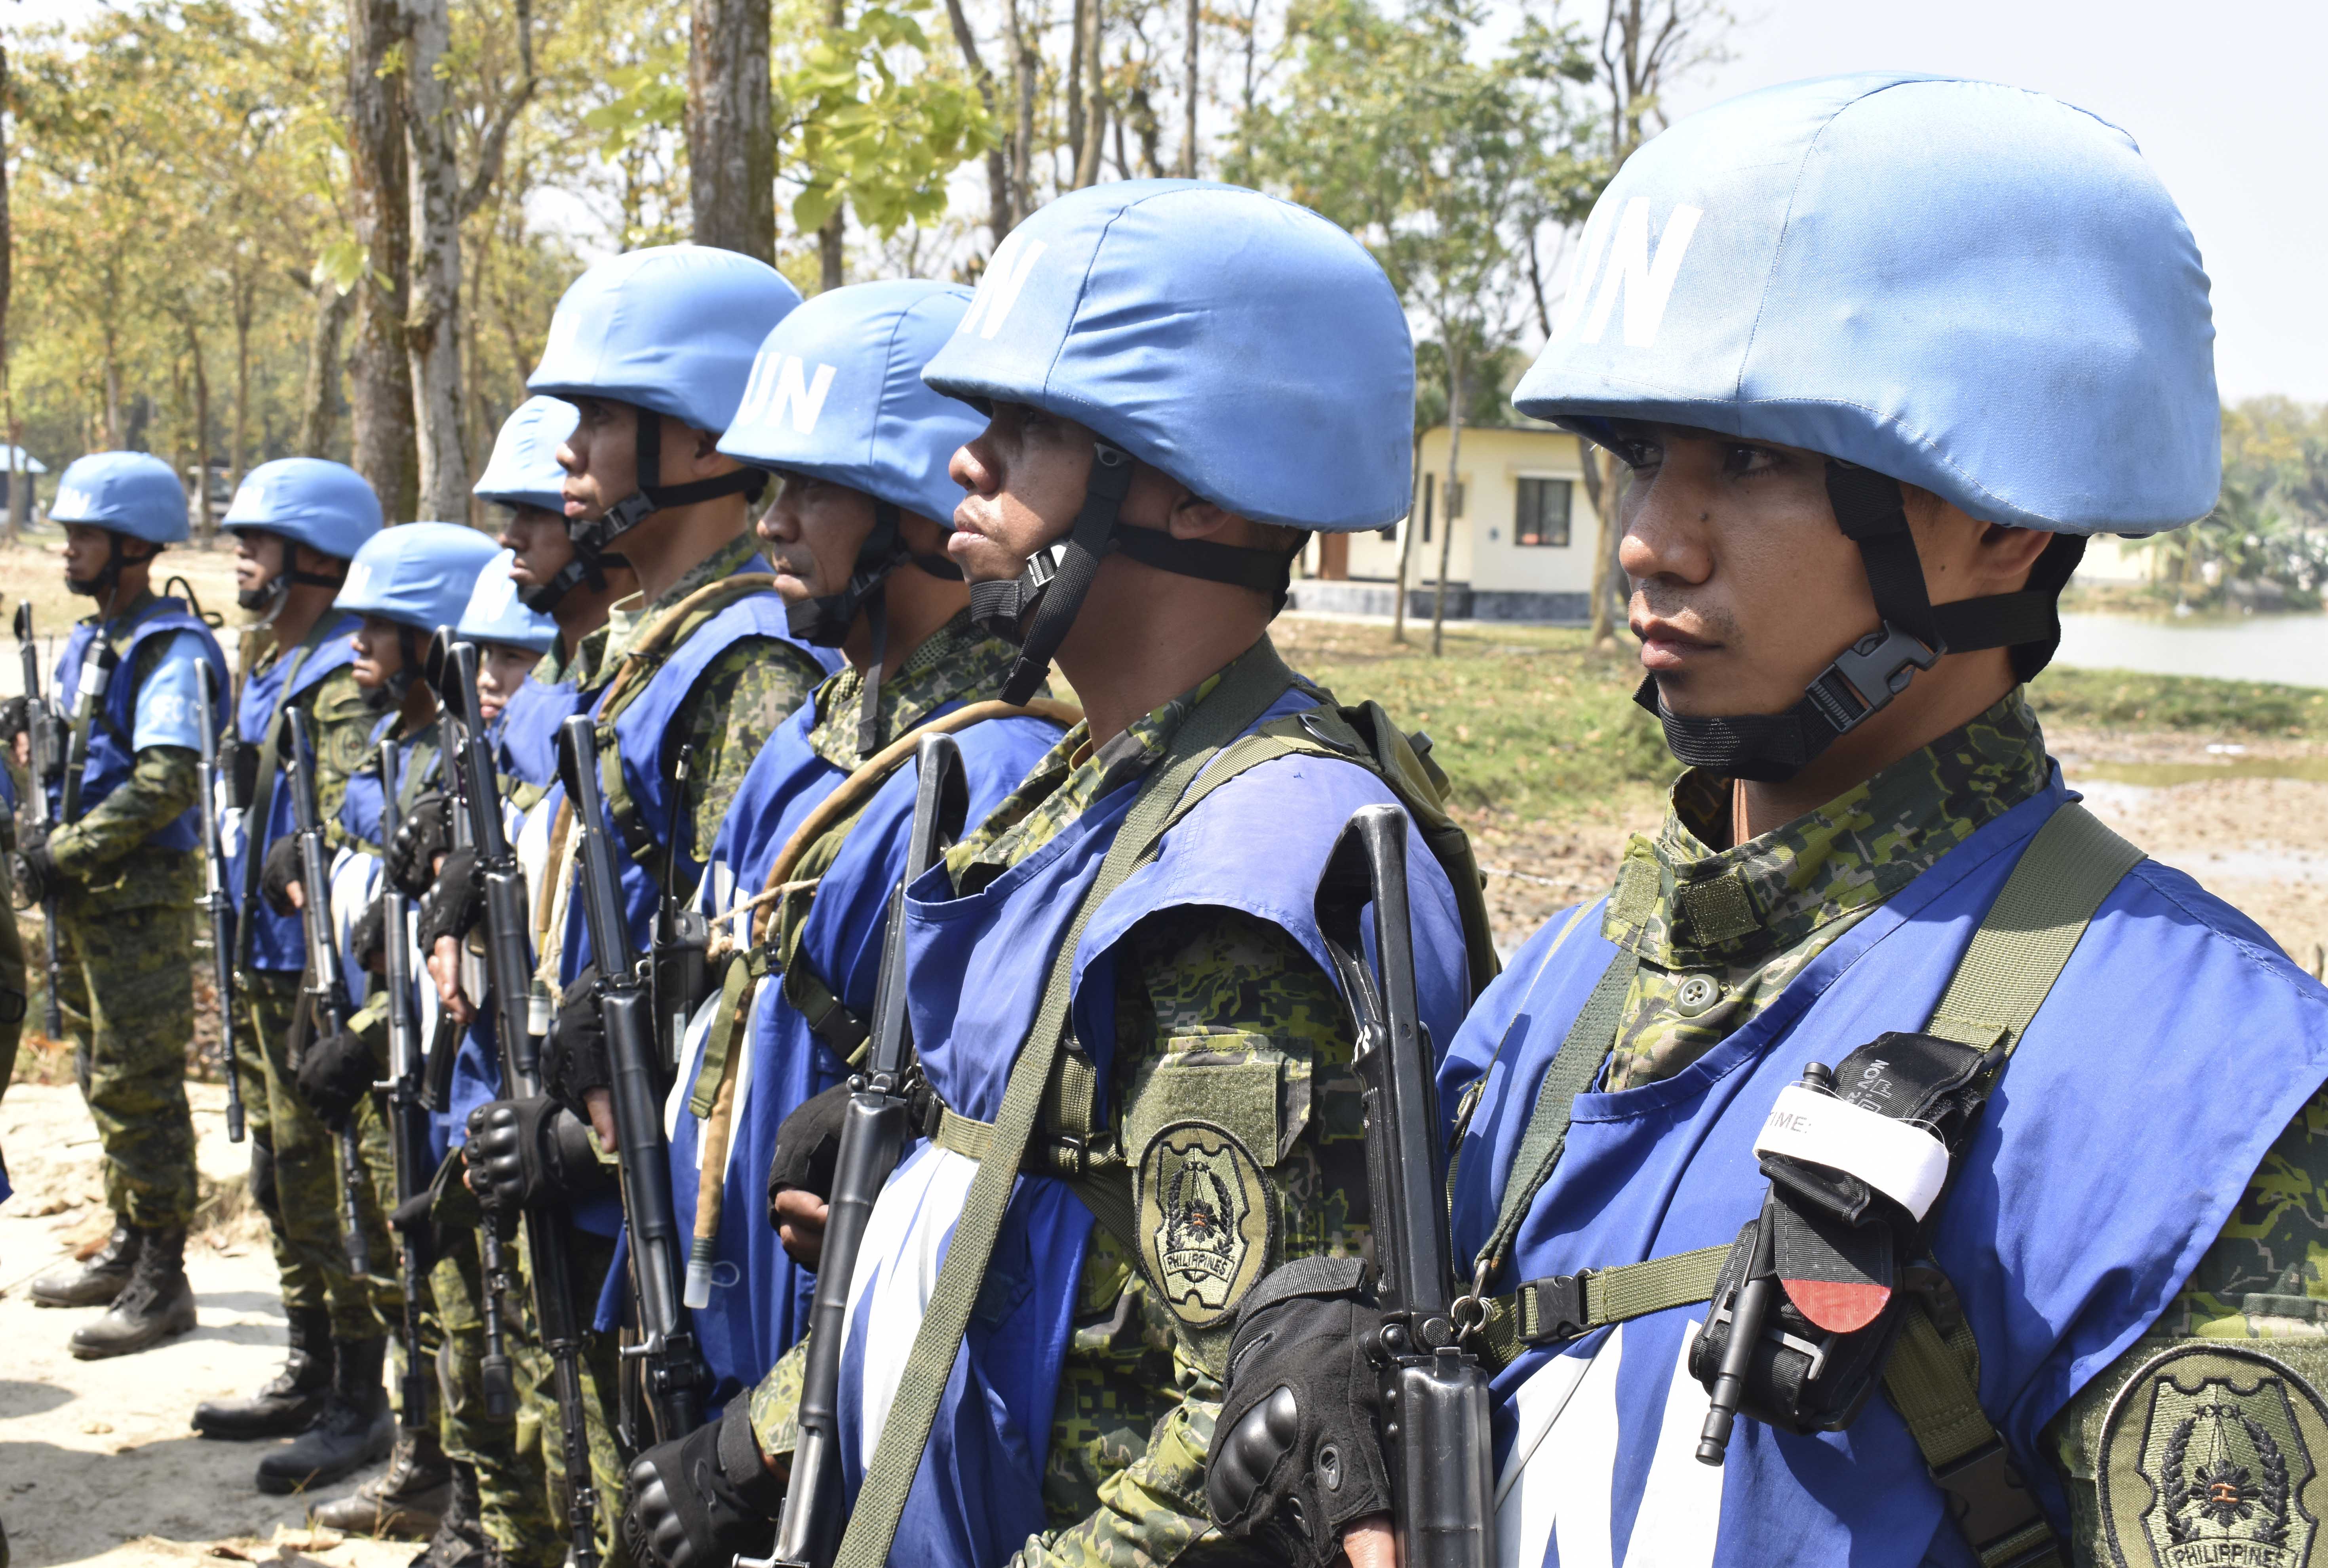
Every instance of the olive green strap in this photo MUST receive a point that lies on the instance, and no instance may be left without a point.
(1563, 1308)
(1246, 690)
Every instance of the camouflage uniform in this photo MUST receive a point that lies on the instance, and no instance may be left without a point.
(126, 953)
(15, 981)
(956, 664)
(303, 1207)
(1758, 913)
(1138, 1390)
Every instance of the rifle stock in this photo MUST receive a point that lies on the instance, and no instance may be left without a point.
(872, 1136)
(1434, 1391)
(509, 967)
(326, 995)
(666, 1350)
(41, 744)
(217, 909)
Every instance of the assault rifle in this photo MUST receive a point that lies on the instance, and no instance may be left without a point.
(872, 1136)
(509, 970)
(215, 906)
(408, 1122)
(666, 1350)
(326, 996)
(682, 936)
(1434, 1392)
(41, 724)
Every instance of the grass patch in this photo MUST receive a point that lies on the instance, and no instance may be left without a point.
(1528, 722)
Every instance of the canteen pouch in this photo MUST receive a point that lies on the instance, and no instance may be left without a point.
(1842, 1246)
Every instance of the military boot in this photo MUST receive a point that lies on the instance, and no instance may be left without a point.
(460, 1541)
(156, 1305)
(286, 1406)
(405, 1502)
(355, 1428)
(95, 1281)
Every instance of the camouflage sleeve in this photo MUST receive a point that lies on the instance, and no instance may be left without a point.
(161, 784)
(1233, 1076)
(2227, 1389)
(343, 724)
(739, 702)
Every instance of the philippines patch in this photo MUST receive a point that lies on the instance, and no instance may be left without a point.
(2209, 1458)
(1207, 1217)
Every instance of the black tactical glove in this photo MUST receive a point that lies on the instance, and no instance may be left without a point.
(278, 870)
(807, 1145)
(1297, 1452)
(574, 1055)
(368, 937)
(522, 1151)
(699, 1501)
(424, 833)
(34, 868)
(456, 903)
(334, 1073)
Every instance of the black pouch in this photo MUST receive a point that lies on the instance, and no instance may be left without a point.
(1840, 1250)
(237, 765)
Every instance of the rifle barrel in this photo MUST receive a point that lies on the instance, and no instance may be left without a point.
(217, 908)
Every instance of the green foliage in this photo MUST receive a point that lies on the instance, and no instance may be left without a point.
(879, 139)
(2123, 699)
(650, 97)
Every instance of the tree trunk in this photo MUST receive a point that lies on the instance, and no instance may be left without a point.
(1188, 64)
(202, 428)
(320, 400)
(999, 218)
(731, 139)
(380, 379)
(1453, 490)
(1075, 81)
(8, 259)
(1095, 99)
(1406, 559)
(1604, 487)
(1022, 141)
(112, 437)
(432, 319)
(244, 309)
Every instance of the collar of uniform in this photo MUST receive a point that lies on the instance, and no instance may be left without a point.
(1071, 775)
(114, 625)
(589, 658)
(955, 662)
(1681, 905)
(630, 617)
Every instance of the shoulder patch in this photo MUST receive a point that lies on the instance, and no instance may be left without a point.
(1207, 1220)
(2210, 1457)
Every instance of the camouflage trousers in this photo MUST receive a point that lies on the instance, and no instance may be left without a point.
(295, 1168)
(591, 1256)
(513, 1485)
(125, 981)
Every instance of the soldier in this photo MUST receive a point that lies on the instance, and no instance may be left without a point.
(654, 349)
(1979, 334)
(404, 582)
(121, 863)
(1181, 380)
(296, 522)
(859, 550)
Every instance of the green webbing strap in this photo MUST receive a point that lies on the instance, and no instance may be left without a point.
(1246, 690)
(1541, 1310)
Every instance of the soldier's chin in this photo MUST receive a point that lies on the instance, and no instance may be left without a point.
(84, 587)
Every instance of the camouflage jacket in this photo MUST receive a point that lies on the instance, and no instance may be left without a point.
(956, 664)
(1138, 1393)
(1751, 916)
(738, 701)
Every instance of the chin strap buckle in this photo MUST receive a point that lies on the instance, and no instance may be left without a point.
(1866, 676)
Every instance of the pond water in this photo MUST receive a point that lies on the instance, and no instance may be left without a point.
(2290, 649)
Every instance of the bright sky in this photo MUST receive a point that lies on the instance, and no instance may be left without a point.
(2227, 104)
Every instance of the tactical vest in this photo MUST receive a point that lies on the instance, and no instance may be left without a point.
(266, 940)
(112, 752)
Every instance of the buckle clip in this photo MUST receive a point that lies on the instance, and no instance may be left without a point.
(1559, 1309)
(1991, 1504)
(1873, 669)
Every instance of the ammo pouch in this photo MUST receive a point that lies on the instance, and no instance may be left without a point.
(1857, 1161)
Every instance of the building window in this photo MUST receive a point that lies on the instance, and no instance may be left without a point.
(1540, 516)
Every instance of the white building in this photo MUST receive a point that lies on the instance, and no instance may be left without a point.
(1520, 535)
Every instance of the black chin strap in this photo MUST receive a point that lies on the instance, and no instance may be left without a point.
(1913, 634)
(826, 620)
(1035, 608)
(594, 536)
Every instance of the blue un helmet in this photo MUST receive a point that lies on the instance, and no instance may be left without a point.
(524, 471)
(1243, 345)
(837, 394)
(496, 613)
(671, 331)
(1956, 285)
(327, 506)
(419, 576)
(129, 495)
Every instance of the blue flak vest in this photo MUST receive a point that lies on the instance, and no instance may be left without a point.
(278, 943)
(528, 729)
(759, 1297)
(979, 965)
(2174, 1049)
(111, 756)
(646, 743)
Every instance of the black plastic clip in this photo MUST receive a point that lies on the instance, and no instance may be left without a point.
(1874, 670)
(1558, 1311)
(1992, 1505)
